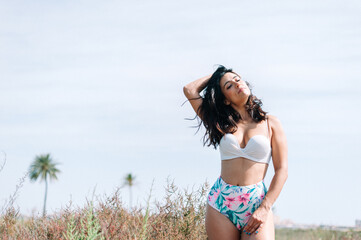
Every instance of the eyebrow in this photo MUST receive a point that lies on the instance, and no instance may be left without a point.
(229, 81)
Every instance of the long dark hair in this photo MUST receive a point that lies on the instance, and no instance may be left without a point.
(219, 118)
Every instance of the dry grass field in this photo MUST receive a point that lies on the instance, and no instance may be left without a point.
(180, 215)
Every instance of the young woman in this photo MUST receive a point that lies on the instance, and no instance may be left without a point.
(239, 204)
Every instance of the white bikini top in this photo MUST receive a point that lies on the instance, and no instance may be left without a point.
(258, 148)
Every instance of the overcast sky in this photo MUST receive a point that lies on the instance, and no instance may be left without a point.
(98, 84)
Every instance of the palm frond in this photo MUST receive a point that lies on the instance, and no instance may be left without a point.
(43, 167)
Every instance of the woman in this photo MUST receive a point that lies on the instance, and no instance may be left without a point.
(239, 204)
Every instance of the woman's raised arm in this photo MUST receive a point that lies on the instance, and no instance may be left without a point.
(192, 90)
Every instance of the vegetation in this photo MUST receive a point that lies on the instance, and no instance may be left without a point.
(180, 215)
(316, 234)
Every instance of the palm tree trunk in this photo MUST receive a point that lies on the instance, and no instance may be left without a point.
(130, 196)
(46, 193)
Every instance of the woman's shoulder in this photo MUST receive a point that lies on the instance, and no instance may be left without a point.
(274, 122)
(271, 117)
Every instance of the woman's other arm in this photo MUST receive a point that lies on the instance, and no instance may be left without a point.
(280, 163)
(192, 90)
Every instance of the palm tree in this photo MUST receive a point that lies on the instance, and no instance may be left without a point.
(44, 167)
(129, 180)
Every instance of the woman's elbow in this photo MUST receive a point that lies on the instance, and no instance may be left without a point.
(186, 91)
(286, 174)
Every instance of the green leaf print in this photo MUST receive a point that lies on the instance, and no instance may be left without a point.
(254, 208)
(224, 209)
(241, 212)
(220, 200)
(233, 217)
(251, 190)
(230, 215)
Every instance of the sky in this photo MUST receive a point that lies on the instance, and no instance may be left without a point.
(99, 85)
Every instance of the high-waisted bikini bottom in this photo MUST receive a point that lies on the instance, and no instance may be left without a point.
(237, 203)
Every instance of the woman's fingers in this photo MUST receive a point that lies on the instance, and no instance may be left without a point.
(259, 228)
(252, 226)
(256, 220)
(249, 226)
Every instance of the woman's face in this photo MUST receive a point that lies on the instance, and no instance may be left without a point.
(234, 89)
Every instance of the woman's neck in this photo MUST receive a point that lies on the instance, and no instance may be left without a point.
(244, 113)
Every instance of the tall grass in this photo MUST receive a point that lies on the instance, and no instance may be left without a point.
(180, 215)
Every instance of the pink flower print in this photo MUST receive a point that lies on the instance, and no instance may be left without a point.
(262, 196)
(244, 198)
(229, 201)
(216, 193)
(214, 196)
(248, 214)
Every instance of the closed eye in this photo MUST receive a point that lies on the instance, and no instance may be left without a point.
(235, 78)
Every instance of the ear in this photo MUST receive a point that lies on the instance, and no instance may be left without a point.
(226, 102)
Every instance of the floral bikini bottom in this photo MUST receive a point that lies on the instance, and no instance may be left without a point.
(237, 203)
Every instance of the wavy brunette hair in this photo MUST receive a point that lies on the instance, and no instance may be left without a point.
(219, 118)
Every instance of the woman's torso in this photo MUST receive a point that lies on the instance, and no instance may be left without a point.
(240, 170)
